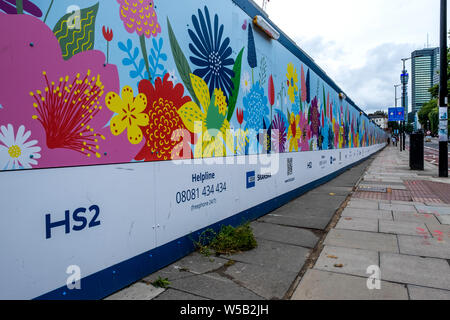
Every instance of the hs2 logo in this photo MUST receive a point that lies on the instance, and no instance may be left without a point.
(81, 218)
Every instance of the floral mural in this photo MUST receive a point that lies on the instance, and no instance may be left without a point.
(135, 80)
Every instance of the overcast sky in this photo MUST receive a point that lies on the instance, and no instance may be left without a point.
(360, 43)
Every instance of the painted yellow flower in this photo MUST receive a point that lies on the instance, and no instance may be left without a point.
(292, 82)
(294, 132)
(210, 120)
(242, 140)
(130, 114)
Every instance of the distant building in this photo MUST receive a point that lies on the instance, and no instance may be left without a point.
(380, 118)
(425, 67)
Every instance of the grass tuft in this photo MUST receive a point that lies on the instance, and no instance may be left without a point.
(229, 240)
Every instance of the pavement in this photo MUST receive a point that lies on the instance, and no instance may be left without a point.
(378, 231)
(392, 240)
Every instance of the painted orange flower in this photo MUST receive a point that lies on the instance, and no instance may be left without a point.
(165, 128)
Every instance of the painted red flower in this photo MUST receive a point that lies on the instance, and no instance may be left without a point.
(166, 135)
(271, 91)
(107, 34)
(240, 115)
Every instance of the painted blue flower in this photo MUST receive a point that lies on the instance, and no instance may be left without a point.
(326, 136)
(296, 105)
(255, 108)
(210, 54)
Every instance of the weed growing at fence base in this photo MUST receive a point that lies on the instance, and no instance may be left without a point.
(229, 240)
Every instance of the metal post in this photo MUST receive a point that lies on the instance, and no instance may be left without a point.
(404, 103)
(398, 122)
(405, 78)
(443, 98)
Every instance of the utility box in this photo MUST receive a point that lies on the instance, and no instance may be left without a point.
(416, 153)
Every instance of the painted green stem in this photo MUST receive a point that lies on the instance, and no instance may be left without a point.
(48, 11)
(107, 52)
(145, 54)
(19, 6)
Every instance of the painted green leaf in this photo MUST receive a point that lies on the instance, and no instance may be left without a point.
(76, 31)
(236, 84)
(181, 62)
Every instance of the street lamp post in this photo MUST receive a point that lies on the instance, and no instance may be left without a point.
(443, 111)
(395, 87)
(404, 80)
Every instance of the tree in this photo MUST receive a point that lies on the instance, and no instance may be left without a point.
(409, 128)
(424, 113)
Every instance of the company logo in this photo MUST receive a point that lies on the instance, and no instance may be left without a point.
(263, 177)
(251, 179)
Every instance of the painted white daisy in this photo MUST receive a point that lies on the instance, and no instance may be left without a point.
(15, 151)
(246, 83)
(173, 76)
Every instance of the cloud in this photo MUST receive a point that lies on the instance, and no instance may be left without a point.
(367, 77)
(371, 86)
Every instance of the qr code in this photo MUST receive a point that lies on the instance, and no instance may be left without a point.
(289, 166)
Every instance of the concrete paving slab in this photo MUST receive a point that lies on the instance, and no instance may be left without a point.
(172, 294)
(193, 264)
(363, 204)
(361, 224)
(322, 285)
(274, 255)
(213, 286)
(398, 207)
(407, 203)
(403, 227)
(265, 282)
(440, 231)
(433, 209)
(422, 293)
(319, 200)
(393, 185)
(300, 221)
(427, 272)
(367, 213)
(432, 204)
(444, 219)
(307, 209)
(382, 185)
(414, 217)
(327, 189)
(284, 234)
(430, 247)
(137, 291)
(362, 240)
(346, 260)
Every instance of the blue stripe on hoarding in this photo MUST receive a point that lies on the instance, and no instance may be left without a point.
(109, 280)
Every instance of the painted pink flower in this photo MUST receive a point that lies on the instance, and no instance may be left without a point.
(140, 16)
(336, 134)
(303, 142)
(303, 84)
(60, 102)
